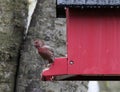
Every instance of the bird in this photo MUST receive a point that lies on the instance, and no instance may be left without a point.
(46, 52)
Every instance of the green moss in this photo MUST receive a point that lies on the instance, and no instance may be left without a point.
(13, 13)
(4, 55)
(9, 45)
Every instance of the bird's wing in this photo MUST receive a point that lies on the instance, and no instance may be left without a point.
(46, 52)
(48, 47)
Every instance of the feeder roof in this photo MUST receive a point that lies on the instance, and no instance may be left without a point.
(88, 2)
(61, 4)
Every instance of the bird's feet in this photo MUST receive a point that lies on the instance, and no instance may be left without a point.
(48, 65)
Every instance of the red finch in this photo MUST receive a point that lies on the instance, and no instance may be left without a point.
(45, 51)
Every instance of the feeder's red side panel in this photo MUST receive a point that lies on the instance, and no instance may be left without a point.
(59, 67)
(93, 41)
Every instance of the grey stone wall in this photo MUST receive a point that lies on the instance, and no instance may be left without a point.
(45, 26)
(109, 86)
(11, 30)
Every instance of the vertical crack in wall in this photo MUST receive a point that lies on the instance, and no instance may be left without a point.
(31, 7)
(19, 20)
(17, 66)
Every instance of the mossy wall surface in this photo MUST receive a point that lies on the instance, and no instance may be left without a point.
(52, 30)
(11, 34)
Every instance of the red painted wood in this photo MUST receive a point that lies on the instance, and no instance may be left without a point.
(93, 44)
(93, 41)
(59, 67)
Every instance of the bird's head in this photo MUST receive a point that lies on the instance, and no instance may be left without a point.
(38, 43)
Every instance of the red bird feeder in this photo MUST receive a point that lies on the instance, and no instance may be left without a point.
(93, 40)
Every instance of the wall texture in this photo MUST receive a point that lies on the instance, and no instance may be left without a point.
(12, 21)
(45, 26)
